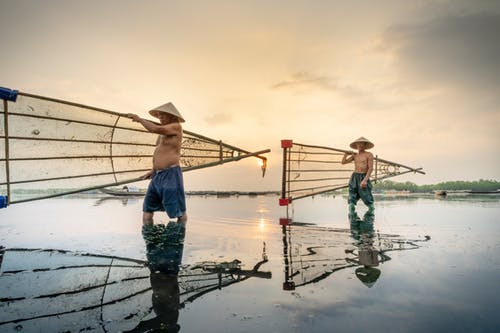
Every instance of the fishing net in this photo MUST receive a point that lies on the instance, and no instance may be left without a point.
(51, 147)
(309, 170)
(60, 144)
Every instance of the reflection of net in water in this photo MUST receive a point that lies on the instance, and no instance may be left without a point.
(49, 147)
(312, 253)
(63, 291)
(53, 289)
(310, 170)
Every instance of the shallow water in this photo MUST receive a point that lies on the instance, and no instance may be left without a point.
(310, 278)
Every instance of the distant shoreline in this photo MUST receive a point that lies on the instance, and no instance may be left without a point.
(231, 193)
(278, 193)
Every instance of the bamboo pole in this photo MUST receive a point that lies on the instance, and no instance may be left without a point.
(6, 133)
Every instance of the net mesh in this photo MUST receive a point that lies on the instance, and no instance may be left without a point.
(309, 170)
(50, 147)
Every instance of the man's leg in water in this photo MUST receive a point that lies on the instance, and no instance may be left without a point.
(367, 197)
(353, 194)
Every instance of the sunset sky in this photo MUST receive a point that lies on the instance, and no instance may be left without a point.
(421, 79)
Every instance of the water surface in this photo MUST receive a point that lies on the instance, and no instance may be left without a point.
(425, 264)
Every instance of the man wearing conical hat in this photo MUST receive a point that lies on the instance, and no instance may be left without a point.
(166, 189)
(360, 186)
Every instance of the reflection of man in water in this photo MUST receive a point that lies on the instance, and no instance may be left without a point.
(166, 306)
(164, 247)
(362, 231)
(166, 189)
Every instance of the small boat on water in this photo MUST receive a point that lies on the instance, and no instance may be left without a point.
(127, 190)
(440, 193)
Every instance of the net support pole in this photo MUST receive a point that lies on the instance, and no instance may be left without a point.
(4, 200)
(221, 157)
(111, 159)
(376, 167)
(286, 145)
(283, 178)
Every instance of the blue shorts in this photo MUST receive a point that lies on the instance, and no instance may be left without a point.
(356, 192)
(166, 193)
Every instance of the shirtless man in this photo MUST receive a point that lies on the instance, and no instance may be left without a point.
(166, 189)
(360, 186)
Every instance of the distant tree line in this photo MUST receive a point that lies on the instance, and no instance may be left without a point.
(458, 185)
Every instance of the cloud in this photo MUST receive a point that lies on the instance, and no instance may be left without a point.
(364, 97)
(303, 81)
(218, 118)
(450, 50)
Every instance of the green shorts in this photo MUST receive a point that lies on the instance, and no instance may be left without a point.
(356, 192)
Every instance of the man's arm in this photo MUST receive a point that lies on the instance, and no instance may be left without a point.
(349, 159)
(169, 129)
(147, 175)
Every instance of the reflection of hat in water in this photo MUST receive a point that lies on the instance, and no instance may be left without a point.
(368, 143)
(368, 275)
(167, 108)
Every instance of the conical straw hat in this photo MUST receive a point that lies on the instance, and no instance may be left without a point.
(367, 275)
(362, 140)
(167, 108)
